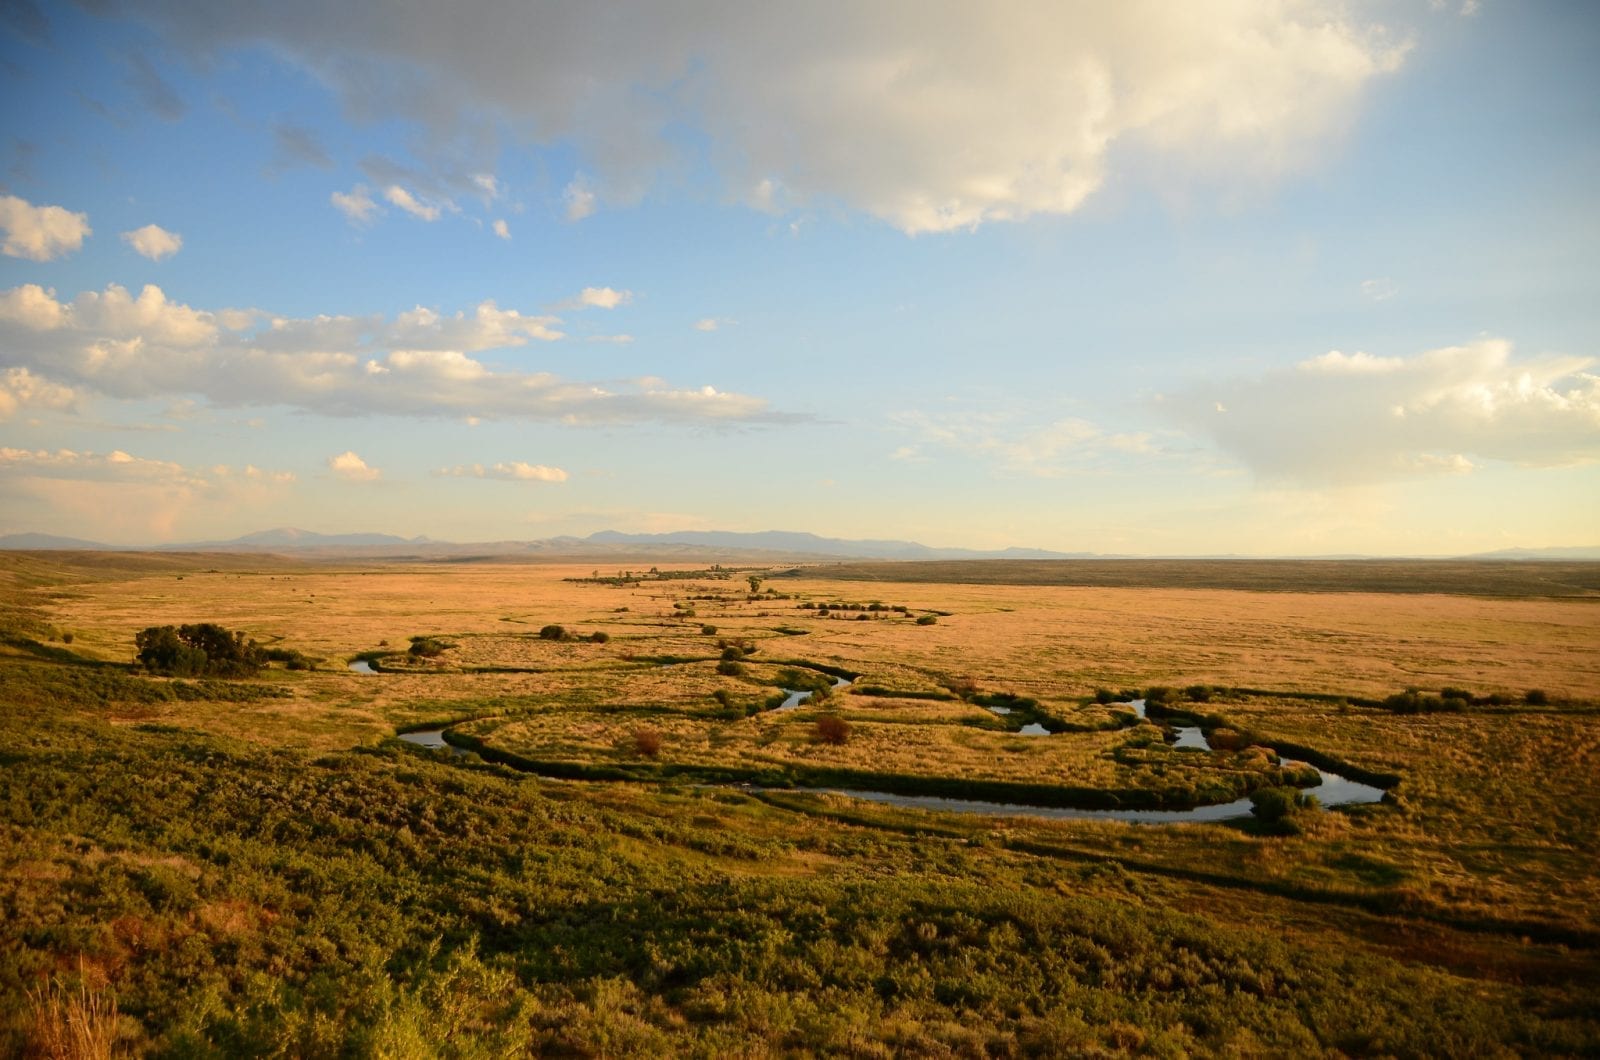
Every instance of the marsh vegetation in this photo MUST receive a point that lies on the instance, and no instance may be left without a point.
(254, 864)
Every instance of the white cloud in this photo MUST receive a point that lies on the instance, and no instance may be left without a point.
(419, 208)
(1379, 290)
(1048, 451)
(707, 324)
(597, 298)
(1349, 418)
(487, 184)
(512, 471)
(580, 199)
(40, 233)
(153, 242)
(501, 229)
(420, 363)
(931, 117)
(356, 204)
(20, 388)
(616, 340)
(350, 467)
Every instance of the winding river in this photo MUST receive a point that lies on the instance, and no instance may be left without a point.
(1333, 790)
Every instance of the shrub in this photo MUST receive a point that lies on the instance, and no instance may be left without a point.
(427, 647)
(194, 650)
(1536, 697)
(1198, 693)
(927, 620)
(599, 636)
(831, 729)
(647, 742)
(730, 668)
(732, 654)
(1104, 695)
(66, 638)
(1158, 694)
(1278, 807)
(553, 632)
(709, 630)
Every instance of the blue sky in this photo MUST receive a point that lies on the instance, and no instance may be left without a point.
(1271, 278)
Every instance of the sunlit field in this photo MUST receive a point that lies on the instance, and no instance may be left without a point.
(638, 853)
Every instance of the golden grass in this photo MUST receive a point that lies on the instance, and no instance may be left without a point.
(66, 1024)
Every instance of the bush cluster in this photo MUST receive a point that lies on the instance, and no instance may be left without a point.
(205, 649)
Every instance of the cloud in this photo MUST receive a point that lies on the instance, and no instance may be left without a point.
(1379, 290)
(1047, 451)
(597, 298)
(398, 196)
(20, 388)
(356, 204)
(617, 340)
(350, 467)
(1340, 418)
(580, 199)
(707, 324)
(40, 233)
(419, 363)
(298, 146)
(155, 93)
(513, 471)
(120, 493)
(487, 184)
(931, 117)
(501, 229)
(153, 242)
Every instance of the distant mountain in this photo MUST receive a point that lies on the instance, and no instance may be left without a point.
(804, 544)
(1568, 554)
(291, 538)
(683, 546)
(50, 542)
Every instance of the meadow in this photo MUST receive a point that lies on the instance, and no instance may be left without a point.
(635, 857)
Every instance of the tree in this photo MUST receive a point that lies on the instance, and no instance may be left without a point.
(199, 649)
(755, 583)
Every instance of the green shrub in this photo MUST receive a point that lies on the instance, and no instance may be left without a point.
(1536, 697)
(195, 650)
(730, 668)
(599, 636)
(927, 620)
(428, 647)
(709, 630)
(553, 632)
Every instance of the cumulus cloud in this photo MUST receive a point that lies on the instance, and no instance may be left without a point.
(419, 363)
(512, 471)
(20, 388)
(1343, 418)
(1047, 451)
(501, 229)
(153, 242)
(356, 204)
(597, 298)
(350, 467)
(933, 117)
(419, 208)
(707, 324)
(40, 233)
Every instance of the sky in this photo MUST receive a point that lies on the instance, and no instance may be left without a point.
(1270, 278)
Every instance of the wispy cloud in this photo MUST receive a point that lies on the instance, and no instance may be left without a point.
(507, 471)
(356, 204)
(1047, 450)
(597, 298)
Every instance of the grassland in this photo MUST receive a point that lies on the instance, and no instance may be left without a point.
(259, 867)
